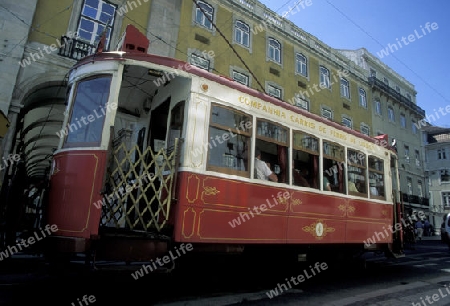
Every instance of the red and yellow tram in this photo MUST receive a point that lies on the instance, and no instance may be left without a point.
(156, 152)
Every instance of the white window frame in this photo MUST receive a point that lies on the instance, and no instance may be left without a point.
(445, 172)
(347, 121)
(324, 75)
(235, 73)
(391, 114)
(362, 98)
(239, 31)
(97, 23)
(273, 89)
(406, 149)
(326, 113)
(301, 103)
(417, 155)
(445, 199)
(274, 50)
(413, 127)
(198, 61)
(378, 107)
(200, 18)
(345, 88)
(365, 127)
(409, 185)
(403, 121)
(420, 188)
(301, 64)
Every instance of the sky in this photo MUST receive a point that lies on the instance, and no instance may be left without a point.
(354, 24)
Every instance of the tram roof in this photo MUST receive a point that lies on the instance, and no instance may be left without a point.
(226, 81)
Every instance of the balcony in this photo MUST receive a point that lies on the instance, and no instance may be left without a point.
(74, 48)
(407, 198)
(374, 82)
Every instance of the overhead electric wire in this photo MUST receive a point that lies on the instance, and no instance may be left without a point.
(229, 44)
(33, 29)
(393, 55)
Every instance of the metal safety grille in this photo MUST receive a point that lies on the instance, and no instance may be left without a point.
(139, 187)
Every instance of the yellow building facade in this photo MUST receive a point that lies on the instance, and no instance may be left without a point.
(238, 39)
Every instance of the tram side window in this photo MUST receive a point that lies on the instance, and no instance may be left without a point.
(229, 141)
(88, 112)
(305, 163)
(334, 166)
(272, 141)
(356, 171)
(376, 178)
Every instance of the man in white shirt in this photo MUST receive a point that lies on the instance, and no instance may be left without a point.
(262, 170)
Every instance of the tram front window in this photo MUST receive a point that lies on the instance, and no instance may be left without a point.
(88, 112)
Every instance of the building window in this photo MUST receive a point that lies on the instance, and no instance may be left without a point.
(302, 103)
(240, 77)
(407, 153)
(199, 61)
(391, 115)
(441, 154)
(326, 113)
(201, 18)
(242, 33)
(378, 107)
(414, 127)
(397, 88)
(97, 16)
(446, 199)
(403, 121)
(362, 98)
(345, 88)
(324, 77)
(409, 184)
(274, 50)
(365, 129)
(386, 81)
(420, 189)
(445, 176)
(408, 96)
(347, 122)
(274, 91)
(373, 73)
(301, 64)
(417, 157)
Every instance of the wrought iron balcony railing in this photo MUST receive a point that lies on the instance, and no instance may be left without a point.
(408, 198)
(373, 81)
(74, 48)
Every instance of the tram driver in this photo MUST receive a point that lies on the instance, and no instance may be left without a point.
(262, 169)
